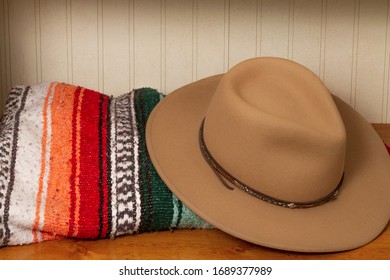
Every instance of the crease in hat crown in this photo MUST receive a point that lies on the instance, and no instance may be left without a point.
(273, 125)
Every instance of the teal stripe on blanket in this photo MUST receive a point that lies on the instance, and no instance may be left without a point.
(160, 208)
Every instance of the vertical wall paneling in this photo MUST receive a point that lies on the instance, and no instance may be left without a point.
(23, 52)
(147, 40)
(371, 57)
(115, 46)
(291, 18)
(163, 45)
(386, 82)
(356, 18)
(3, 74)
(116, 42)
(307, 33)
(53, 40)
(100, 45)
(7, 50)
(258, 27)
(131, 61)
(195, 14)
(242, 33)
(323, 39)
(179, 43)
(69, 44)
(85, 47)
(339, 46)
(38, 48)
(210, 29)
(226, 31)
(275, 15)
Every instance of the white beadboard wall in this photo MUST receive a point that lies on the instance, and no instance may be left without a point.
(115, 46)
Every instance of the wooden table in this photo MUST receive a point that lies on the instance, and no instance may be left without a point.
(186, 244)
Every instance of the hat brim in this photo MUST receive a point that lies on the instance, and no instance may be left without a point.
(358, 215)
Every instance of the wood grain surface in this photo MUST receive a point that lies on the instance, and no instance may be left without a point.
(187, 244)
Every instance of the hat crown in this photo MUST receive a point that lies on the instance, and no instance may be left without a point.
(274, 126)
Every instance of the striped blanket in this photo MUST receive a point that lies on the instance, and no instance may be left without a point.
(73, 163)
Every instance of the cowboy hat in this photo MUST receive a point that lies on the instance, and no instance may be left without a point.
(265, 153)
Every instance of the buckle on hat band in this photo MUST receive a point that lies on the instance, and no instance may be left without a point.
(225, 177)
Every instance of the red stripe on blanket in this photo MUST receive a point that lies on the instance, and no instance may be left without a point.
(388, 148)
(75, 162)
(88, 224)
(104, 161)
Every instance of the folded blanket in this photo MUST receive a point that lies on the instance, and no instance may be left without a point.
(73, 163)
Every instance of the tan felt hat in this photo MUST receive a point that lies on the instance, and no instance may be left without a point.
(267, 154)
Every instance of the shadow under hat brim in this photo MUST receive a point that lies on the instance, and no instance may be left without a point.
(358, 215)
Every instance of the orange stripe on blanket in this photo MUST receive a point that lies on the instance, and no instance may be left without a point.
(57, 210)
(78, 128)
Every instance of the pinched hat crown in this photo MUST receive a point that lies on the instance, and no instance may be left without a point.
(277, 130)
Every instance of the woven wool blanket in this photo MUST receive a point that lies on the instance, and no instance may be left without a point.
(73, 163)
